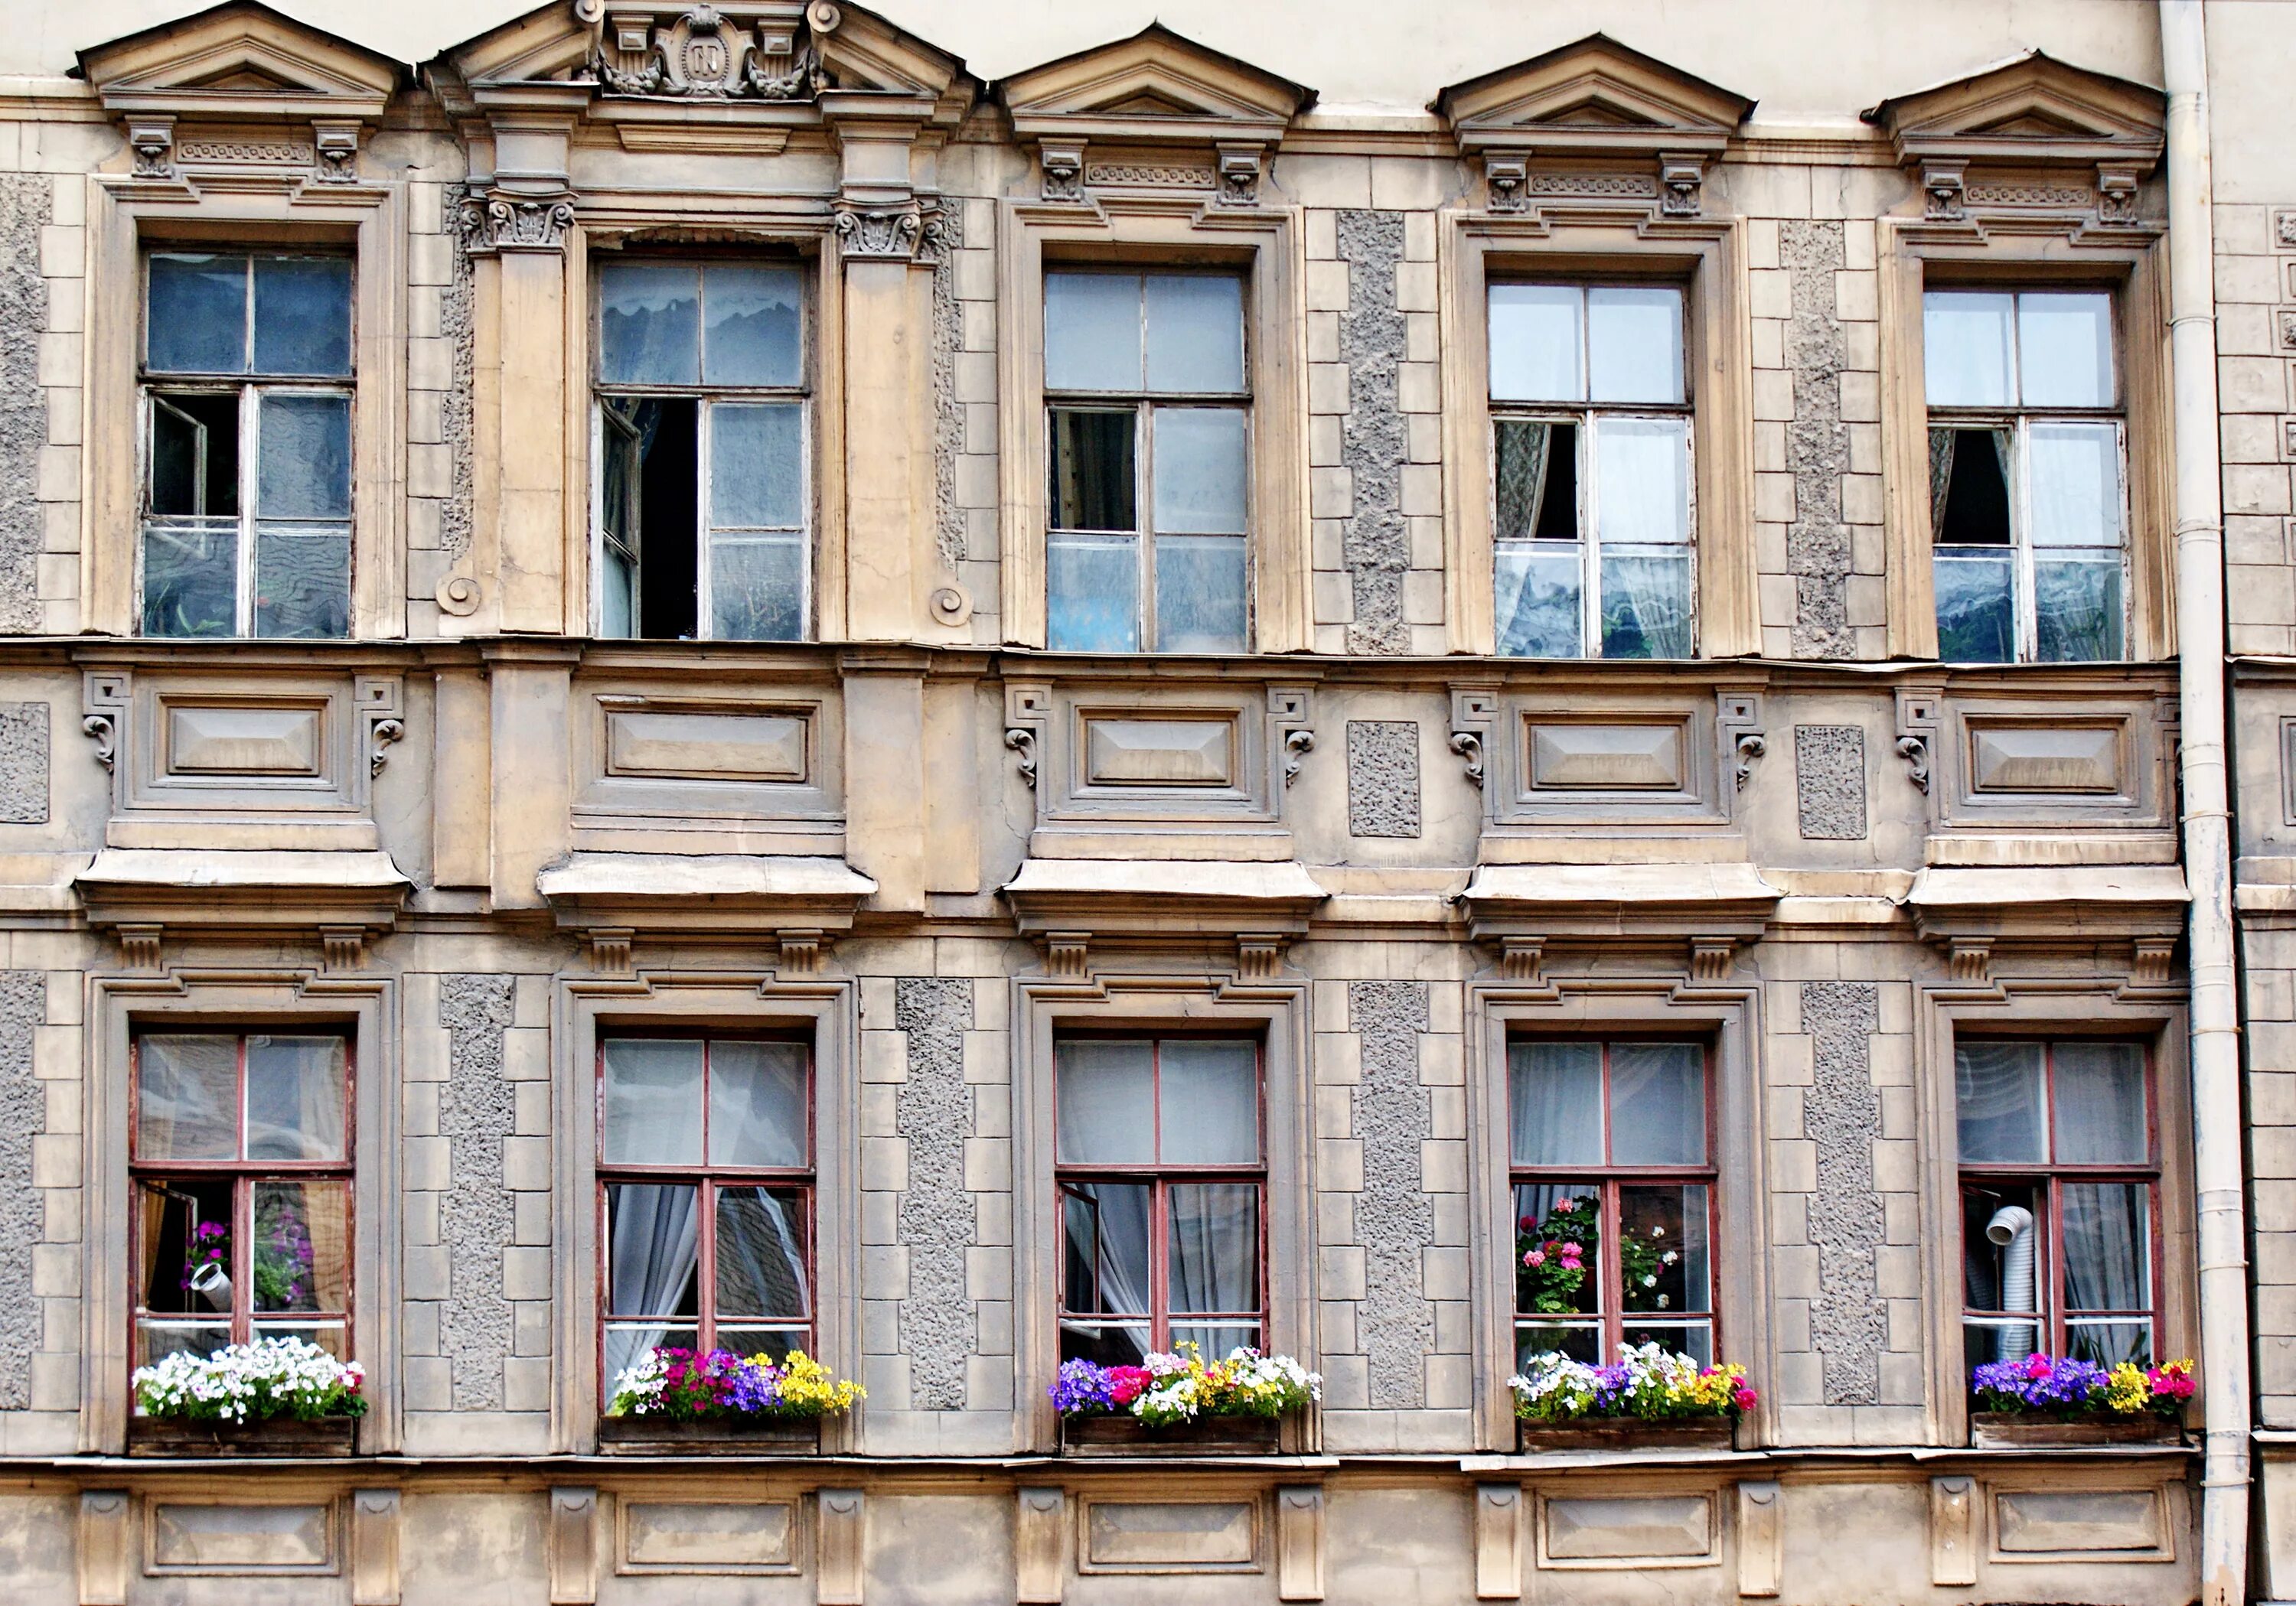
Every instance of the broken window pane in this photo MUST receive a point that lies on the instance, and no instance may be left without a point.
(1976, 610)
(303, 314)
(1092, 586)
(195, 317)
(1634, 343)
(649, 325)
(1200, 594)
(1092, 331)
(2064, 348)
(1196, 332)
(1200, 469)
(1535, 345)
(191, 580)
(1969, 357)
(1094, 480)
(305, 470)
(1538, 600)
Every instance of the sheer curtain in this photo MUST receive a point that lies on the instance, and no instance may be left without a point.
(760, 1256)
(2108, 1263)
(1215, 1259)
(1555, 1103)
(1997, 1100)
(655, 1243)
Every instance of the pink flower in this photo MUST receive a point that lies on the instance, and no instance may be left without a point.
(1523, 1226)
(1565, 1204)
(2037, 1367)
(1535, 1258)
(1745, 1398)
(1125, 1384)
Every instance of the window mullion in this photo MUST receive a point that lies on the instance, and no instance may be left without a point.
(1590, 514)
(243, 1256)
(705, 423)
(1143, 516)
(705, 1265)
(250, 461)
(2029, 629)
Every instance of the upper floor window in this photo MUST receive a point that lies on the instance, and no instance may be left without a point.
(240, 1154)
(2027, 484)
(247, 444)
(1611, 1150)
(2060, 1200)
(1162, 1178)
(1149, 416)
(1592, 508)
(705, 1190)
(704, 500)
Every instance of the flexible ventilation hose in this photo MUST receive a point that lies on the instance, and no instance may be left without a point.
(2011, 1227)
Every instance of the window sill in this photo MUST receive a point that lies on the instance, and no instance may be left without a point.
(279, 1437)
(647, 1436)
(1206, 1436)
(1627, 1433)
(2017, 1431)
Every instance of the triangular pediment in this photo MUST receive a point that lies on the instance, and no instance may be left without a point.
(240, 61)
(1155, 85)
(1593, 96)
(2032, 108)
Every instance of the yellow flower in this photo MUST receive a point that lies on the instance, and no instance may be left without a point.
(2127, 1388)
(807, 1385)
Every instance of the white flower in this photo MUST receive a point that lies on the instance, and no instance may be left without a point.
(1658, 1232)
(1650, 1280)
(1669, 1258)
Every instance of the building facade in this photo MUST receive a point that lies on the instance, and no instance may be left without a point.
(673, 638)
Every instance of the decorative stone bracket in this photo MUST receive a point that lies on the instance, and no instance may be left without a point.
(496, 220)
(1738, 720)
(1917, 726)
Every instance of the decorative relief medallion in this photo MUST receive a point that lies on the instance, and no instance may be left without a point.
(702, 56)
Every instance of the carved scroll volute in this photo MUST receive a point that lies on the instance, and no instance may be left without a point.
(1475, 717)
(1918, 711)
(1290, 714)
(1027, 712)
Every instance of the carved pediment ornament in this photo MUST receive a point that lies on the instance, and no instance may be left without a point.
(705, 55)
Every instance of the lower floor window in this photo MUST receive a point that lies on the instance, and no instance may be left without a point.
(705, 1265)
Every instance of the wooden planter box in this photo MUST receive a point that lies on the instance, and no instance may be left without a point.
(2019, 1431)
(714, 1435)
(280, 1436)
(1121, 1434)
(1627, 1433)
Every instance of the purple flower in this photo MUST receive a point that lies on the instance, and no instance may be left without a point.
(1080, 1387)
(2038, 1383)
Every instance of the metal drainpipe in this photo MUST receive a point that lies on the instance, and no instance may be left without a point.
(2217, 1140)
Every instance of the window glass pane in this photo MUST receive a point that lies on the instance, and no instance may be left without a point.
(653, 1101)
(1966, 357)
(1997, 1089)
(649, 325)
(2078, 609)
(303, 582)
(653, 1250)
(1555, 1103)
(750, 333)
(301, 1256)
(1665, 1263)
(1633, 344)
(1693, 1339)
(757, 465)
(1658, 1104)
(1646, 606)
(1642, 479)
(2076, 484)
(1580, 1340)
(1536, 493)
(1213, 1244)
(2107, 1344)
(295, 1088)
(1092, 586)
(1196, 332)
(1104, 1343)
(1200, 469)
(627, 1342)
(194, 459)
(1207, 1106)
(1535, 344)
(757, 588)
(773, 1343)
(1969, 487)
(1558, 1247)
(191, 582)
(1984, 1341)
(1105, 1227)
(304, 471)
(195, 320)
(186, 1098)
(2108, 1245)
(1092, 331)
(1976, 615)
(2098, 1109)
(2064, 348)
(1200, 594)
(1538, 601)
(617, 602)
(762, 1256)
(1106, 1092)
(2003, 1252)
(303, 314)
(758, 1104)
(1095, 485)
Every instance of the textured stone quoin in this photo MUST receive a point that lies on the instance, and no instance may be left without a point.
(1830, 782)
(948, 413)
(1842, 1115)
(934, 1112)
(1383, 778)
(455, 326)
(1817, 443)
(25, 206)
(1395, 1220)
(23, 1113)
(23, 763)
(475, 1116)
(1376, 544)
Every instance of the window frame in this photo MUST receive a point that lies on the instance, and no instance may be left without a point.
(2048, 1179)
(1159, 1179)
(708, 1180)
(1583, 416)
(2020, 419)
(1610, 1179)
(804, 393)
(244, 1175)
(1143, 405)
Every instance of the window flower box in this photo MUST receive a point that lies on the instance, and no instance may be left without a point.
(1178, 1404)
(1647, 1400)
(1121, 1433)
(2060, 1402)
(280, 1436)
(683, 1402)
(2023, 1430)
(657, 1435)
(1628, 1433)
(275, 1397)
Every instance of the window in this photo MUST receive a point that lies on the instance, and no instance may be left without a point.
(239, 1155)
(1149, 418)
(1611, 1153)
(1592, 515)
(1161, 1182)
(704, 500)
(705, 1174)
(2060, 1194)
(2028, 497)
(247, 444)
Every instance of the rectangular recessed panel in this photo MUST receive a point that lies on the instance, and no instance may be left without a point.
(1159, 752)
(1569, 755)
(2052, 1520)
(707, 746)
(1630, 1528)
(2044, 758)
(262, 1538)
(699, 1535)
(242, 741)
(1168, 1533)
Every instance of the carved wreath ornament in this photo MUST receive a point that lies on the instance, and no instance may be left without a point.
(704, 56)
